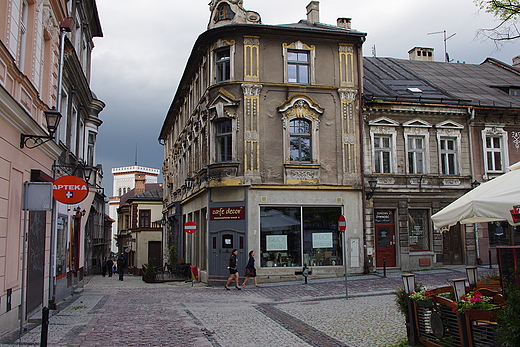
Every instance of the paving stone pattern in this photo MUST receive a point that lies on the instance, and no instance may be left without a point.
(134, 313)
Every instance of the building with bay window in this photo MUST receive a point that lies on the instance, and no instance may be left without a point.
(262, 147)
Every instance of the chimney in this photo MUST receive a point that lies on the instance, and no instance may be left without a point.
(140, 180)
(344, 23)
(516, 61)
(313, 12)
(421, 53)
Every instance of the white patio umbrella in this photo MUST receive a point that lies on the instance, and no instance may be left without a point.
(491, 201)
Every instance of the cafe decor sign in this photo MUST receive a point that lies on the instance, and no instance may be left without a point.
(228, 213)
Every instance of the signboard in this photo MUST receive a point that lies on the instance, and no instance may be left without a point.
(276, 242)
(37, 196)
(69, 190)
(383, 217)
(321, 240)
(190, 227)
(342, 223)
(228, 213)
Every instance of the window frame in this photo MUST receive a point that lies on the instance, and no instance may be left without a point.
(495, 132)
(417, 128)
(426, 224)
(379, 153)
(445, 153)
(145, 217)
(226, 155)
(299, 47)
(301, 77)
(220, 46)
(415, 157)
(300, 136)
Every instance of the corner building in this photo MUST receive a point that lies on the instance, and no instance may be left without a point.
(262, 147)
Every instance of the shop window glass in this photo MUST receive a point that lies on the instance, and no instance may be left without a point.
(322, 242)
(418, 228)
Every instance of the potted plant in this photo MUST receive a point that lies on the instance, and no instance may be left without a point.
(149, 272)
(422, 298)
(473, 301)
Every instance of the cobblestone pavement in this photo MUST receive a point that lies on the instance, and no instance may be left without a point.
(134, 313)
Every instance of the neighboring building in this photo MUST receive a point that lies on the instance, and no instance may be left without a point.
(45, 62)
(124, 181)
(433, 131)
(140, 224)
(262, 146)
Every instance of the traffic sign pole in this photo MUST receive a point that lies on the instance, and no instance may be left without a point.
(342, 224)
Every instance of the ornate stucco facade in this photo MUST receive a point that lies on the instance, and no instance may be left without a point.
(262, 146)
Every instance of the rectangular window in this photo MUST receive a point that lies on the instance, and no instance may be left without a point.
(300, 140)
(223, 64)
(419, 230)
(448, 152)
(494, 153)
(298, 67)
(224, 143)
(415, 155)
(382, 154)
(144, 218)
(283, 230)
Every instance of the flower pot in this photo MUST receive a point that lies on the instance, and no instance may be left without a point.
(425, 303)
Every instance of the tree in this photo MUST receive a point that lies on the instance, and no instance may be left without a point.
(508, 12)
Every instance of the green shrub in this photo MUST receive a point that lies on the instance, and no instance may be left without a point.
(508, 318)
(150, 269)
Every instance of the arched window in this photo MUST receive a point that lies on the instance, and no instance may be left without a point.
(224, 143)
(300, 140)
(224, 12)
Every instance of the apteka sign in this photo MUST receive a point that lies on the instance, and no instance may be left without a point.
(69, 190)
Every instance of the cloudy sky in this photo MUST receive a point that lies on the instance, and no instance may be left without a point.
(137, 65)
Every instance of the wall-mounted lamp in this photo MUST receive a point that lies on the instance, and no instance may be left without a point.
(372, 183)
(188, 182)
(459, 287)
(475, 184)
(52, 118)
(87, 173)
(471, 272)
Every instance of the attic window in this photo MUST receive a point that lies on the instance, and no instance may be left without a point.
(224, 12)
(414, 90)
(514, 91)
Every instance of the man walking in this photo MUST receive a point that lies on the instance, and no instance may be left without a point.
(121, 264)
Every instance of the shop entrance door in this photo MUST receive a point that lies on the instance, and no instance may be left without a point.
(222, 244)
(452, 246)
(385, 238)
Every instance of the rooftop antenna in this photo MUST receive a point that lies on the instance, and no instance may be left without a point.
(374, 51)
(446, 56)
(135, 154)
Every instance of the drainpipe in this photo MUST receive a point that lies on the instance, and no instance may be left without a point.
(361, 152)
(471, 112)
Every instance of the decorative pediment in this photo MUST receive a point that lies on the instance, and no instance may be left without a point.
(449, 124)
(222, 96)
(418, 123)
(383, 121)
(225, 12)
(300, 105)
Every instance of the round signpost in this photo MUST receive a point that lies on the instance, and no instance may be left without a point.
(69, 190)
(190, 227)
(342, 224)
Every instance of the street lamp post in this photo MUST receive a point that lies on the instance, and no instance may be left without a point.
(409, 288)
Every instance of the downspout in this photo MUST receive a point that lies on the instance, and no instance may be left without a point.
(471, 119)
(361, 154)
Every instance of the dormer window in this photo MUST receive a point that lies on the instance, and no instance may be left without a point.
(224, 12)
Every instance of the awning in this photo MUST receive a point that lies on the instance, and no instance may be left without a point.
(491, 201)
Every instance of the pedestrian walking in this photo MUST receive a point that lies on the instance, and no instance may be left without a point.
(121, 264)
(104, 267)
(233, 269)
(110, 265)
(250, 269)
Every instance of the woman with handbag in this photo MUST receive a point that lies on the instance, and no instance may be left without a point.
(233, 269)
(250, 269)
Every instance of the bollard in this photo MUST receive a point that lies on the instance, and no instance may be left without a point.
(305, 272)
(490, 263)
(384, 267)
(45, 327)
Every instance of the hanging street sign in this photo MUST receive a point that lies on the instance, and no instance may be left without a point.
(69, 190)
(190, 227)
(342, 223)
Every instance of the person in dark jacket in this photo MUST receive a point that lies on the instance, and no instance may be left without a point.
(121, 264)
(233, 269)
(110, 264)
(250, 269)
(104, 267)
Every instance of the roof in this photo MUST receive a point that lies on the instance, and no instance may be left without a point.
(482, 85)
(148, 187)
(151, 195)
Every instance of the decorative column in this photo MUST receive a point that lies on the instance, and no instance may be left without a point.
(349, 131)
(251, 134)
